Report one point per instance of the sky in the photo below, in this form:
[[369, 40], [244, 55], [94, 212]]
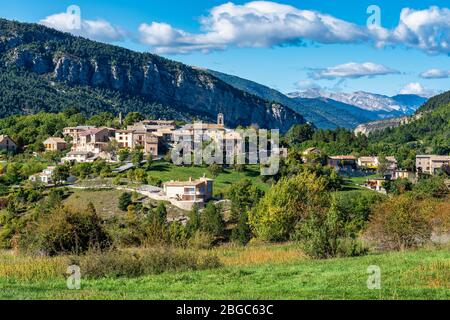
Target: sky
[[400, 46]]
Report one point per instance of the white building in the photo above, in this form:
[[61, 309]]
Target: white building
[[79, 156], [45, 177], [431, 164], [191, 192]]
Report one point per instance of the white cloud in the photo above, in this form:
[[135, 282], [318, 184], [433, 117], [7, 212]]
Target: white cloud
[[254, 24], [428, 30], [435, 74], [100, 30], [268, 24], [418, 89], [352, 70]]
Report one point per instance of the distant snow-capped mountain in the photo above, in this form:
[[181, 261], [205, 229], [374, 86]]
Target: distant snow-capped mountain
[[399, 104]]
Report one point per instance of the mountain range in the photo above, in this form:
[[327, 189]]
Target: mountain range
[[331, 110], [42, 69]]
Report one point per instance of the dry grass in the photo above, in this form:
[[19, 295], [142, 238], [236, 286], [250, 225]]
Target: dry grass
[[20, 267], [435, 274], [105, 201], [259, 254]]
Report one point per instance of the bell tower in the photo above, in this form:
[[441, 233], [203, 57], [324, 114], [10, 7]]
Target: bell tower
[[220, 119]]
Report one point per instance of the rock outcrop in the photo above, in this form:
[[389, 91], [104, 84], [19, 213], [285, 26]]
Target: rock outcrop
[[79, 62]]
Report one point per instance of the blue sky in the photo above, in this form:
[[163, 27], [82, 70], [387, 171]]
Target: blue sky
[[269, 42]]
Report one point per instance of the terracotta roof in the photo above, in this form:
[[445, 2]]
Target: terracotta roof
[[91, 131], [2, 136], [55, 139], [434, 157], [391, 159], [187, 183], [342, 157], [367, 159]]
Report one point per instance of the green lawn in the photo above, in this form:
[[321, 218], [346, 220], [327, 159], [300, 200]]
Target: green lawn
[[167, 171], [422, 274]]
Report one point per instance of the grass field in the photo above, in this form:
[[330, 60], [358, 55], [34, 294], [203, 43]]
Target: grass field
[[167, 171], [269, 272]]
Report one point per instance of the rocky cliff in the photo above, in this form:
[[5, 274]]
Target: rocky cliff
[[66, 62]]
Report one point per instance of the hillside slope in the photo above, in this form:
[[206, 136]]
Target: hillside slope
[[427, 132], [43, 69]]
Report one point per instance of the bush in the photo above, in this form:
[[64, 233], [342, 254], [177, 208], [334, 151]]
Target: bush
[[211, 220], [154, 181], [285, 204], [200, 240], [215, 169], [113, 264], [124, 201], [401, 222], [324, 233], [399, 186], [432, 186], [64, 231], [242, 232]]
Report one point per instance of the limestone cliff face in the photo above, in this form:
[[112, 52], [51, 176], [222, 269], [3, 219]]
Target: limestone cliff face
[[373, 126], [80, 62]]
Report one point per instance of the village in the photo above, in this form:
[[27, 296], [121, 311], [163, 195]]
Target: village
[[155, 138]]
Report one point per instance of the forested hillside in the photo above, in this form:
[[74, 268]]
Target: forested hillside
[[46, 70], [435, 102], [430, 133]]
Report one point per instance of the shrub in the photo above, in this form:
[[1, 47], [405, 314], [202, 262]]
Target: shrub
[[211, 220], [244, 196], [401, 222], [124, 201], [154, 181], [178, 235], [242, 232], [399, 186], [113, 264], [285, 204], [201, 240], [433, 186], [215, 169], [64, 231], [324, 234]]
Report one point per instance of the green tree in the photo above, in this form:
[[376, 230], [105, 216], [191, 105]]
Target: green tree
[[193, 223], [137, 156], [158, 215], [211, 220], [124, 201], [140, 176], [325, 233], [215, 169], [299, 133], [242, 232], [132, 117], [285, 204], [124, 154], [61, 174], [244, 196]]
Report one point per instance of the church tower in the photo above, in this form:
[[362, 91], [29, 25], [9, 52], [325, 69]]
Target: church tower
[[220, 119]]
